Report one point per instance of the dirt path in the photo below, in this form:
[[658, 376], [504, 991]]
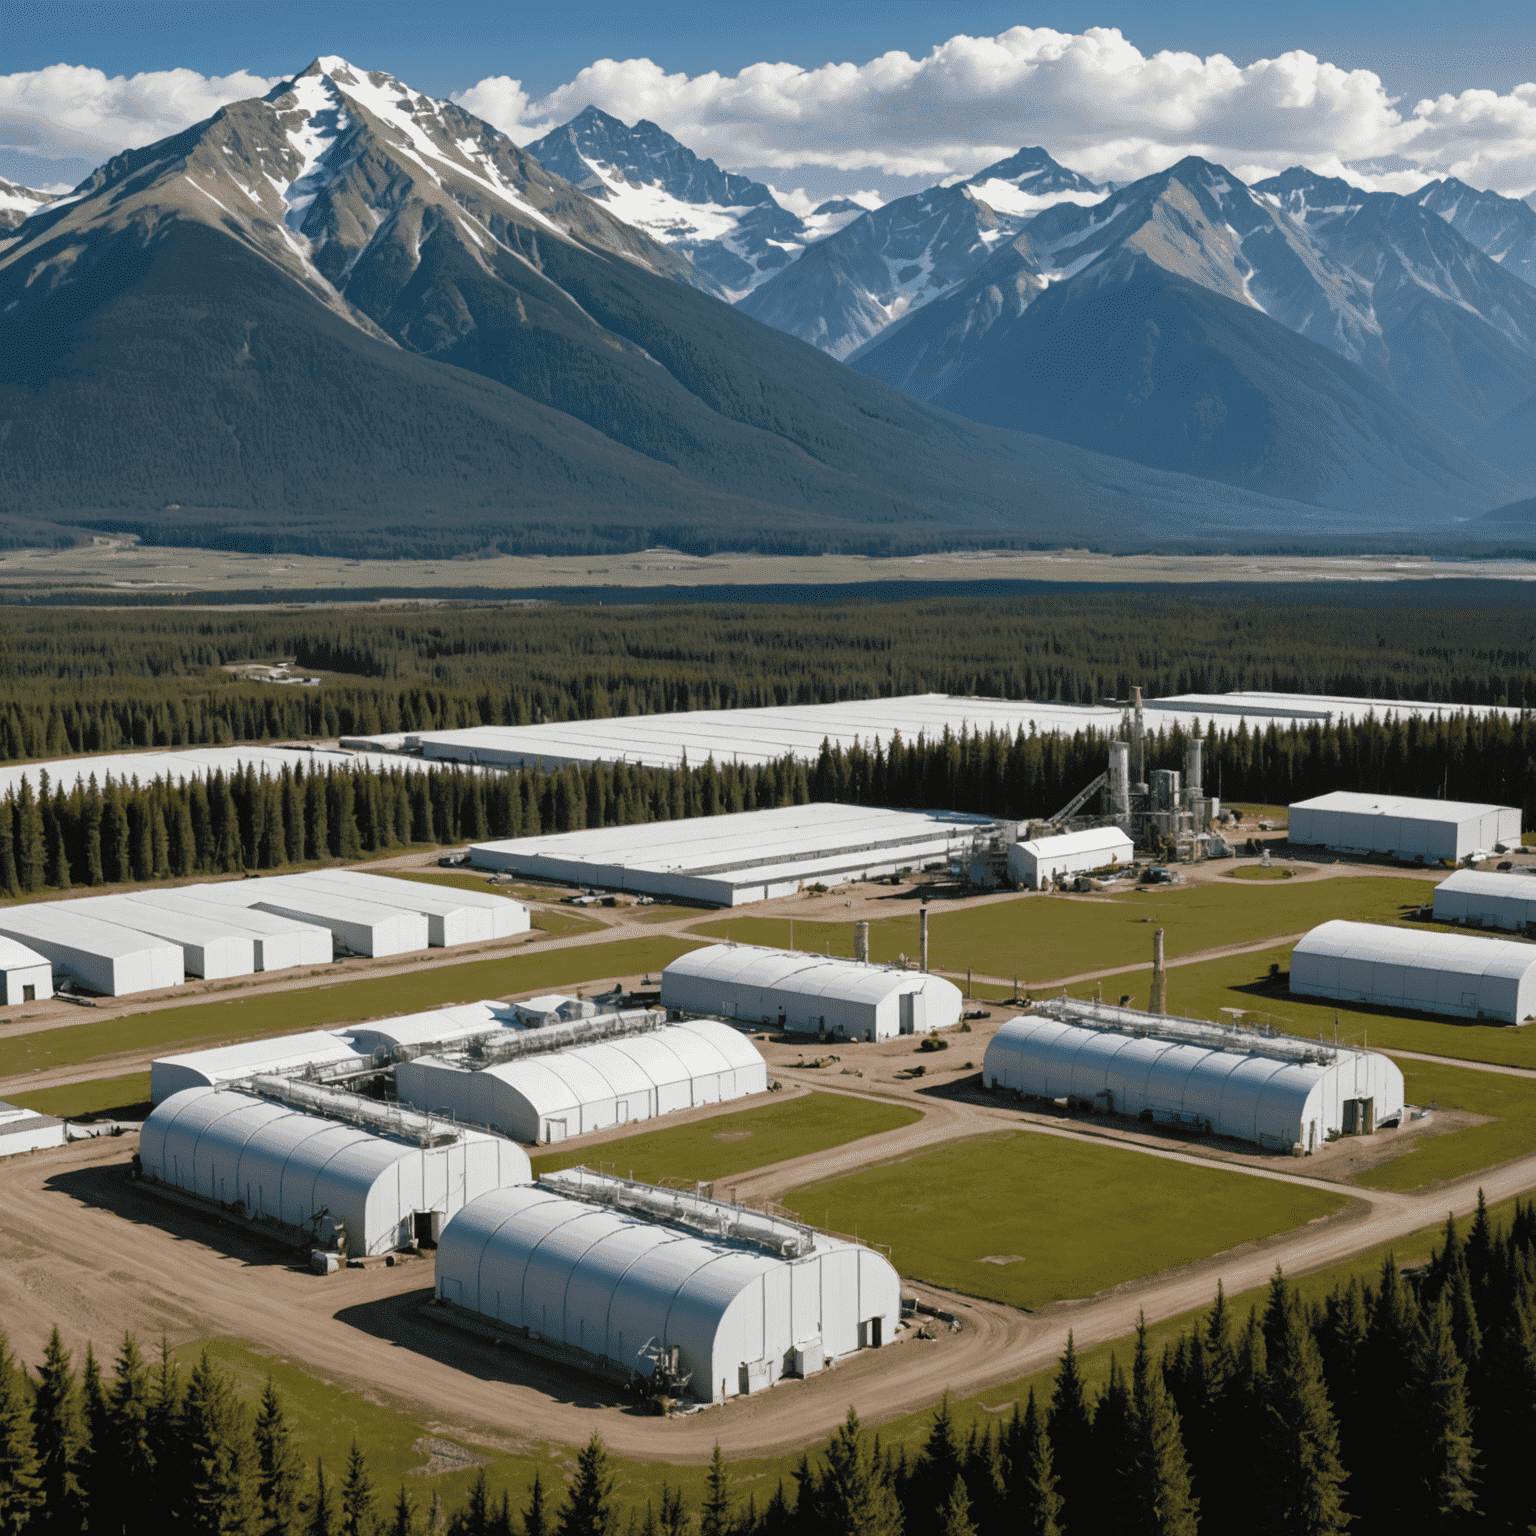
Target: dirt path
[[85, 1249]]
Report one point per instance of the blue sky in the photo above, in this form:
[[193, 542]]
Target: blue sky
[[527, 67]]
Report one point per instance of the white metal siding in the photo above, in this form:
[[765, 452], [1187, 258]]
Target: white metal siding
[[1491, 900], [1402, 825]]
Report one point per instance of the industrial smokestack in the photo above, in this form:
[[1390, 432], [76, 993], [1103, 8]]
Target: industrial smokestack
[[922, 928], [1120, 783], [1194, 767], [1159, 976], [861, 941]]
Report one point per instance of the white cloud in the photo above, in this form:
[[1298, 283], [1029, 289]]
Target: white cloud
[[1092, 98], [68, 111], [801, 202]]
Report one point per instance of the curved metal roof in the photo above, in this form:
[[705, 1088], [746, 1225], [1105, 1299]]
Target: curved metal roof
[[811, 975], [1463, 954]]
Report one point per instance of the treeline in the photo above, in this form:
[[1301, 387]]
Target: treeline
[[116, 832], [80, 681], [1404, 1406]]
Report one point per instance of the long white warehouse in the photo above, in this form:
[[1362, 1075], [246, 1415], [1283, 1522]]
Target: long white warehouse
[[744, 857], [279, 943], [806, 993], [209, 947], [619, 1280], [318, 1048], [453, 916], [562, 1093], [314, 1177], [99, 957], [25, 975], [1461, 975], [1487, 900], [1401, 826], [24, 1130], [1036, 863], [1277, 1091], [364, 927]]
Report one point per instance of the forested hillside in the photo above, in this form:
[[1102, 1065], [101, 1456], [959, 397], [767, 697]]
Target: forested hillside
[[92, 681]]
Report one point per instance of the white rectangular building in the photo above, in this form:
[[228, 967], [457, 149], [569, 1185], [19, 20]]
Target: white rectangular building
[[453, 916], [25, 975], [24, 1130], [1036, 863], [279, 943], [97, 956], [364, 927], [1462, 976], [1487, 900], [224, 1064], [748, 856], [1401, 826], [787, 989], [209, 947]]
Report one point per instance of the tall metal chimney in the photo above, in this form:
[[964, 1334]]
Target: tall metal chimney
[[1194, 768], [922, 928], [1159, 1002], [861, 941], [1120, 783]]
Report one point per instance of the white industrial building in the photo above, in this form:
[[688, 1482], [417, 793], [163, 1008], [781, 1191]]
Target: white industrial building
[[786, 989], [437, 1026], [278, 943], [1039, 861], [555, 1094], [1401, 826], [316, 1048], [617, 1276], [1487, 900], [1460, 975], [743, 857], [24, 1130], [209, 947], [363, 927], [766, 735], [454, 916], [1275, 1090], [97, 956], [384, 1184], [25, 975]]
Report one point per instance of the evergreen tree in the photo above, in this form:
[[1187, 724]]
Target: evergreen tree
[[20, 1484], [322, 1519], [475, 1518], [1032, 1475], [1443, 1458], [1070, 1424], [58, 1433], [715, 1515], [1115, 1452], [535, 1520], [1164, 1504], [219, 1457], [278, 1473], [587, 1510], [674, 1513], [162, 1424], [955, 1514], [939, 1464], [1301, 1475], [851, 1496], [404, 1521], [357, 1496]]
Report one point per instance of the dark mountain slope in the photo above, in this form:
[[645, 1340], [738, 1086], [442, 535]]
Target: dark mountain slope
[[1131, 359]]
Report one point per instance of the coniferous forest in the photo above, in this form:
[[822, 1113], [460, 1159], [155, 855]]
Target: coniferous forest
[[1402, 1405]]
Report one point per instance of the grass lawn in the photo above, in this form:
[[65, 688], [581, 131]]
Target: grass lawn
[[733, 1144], [103, 1098], [558, 921], [459, 879], [1252, 808], [1073, 1218], [1041, 937], [202, 1024], [1203, 988]]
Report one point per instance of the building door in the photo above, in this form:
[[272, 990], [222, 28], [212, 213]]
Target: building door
[[906, 1013], [874, 1332], [554, 1130], [28, 992]]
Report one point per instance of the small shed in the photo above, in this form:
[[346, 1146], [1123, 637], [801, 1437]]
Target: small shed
[[24, 1130], [1036, 863], [25, 976], [785, 989]]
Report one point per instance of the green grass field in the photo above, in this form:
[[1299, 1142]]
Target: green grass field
[[103, 1098], [1041, 937], [725, 1145], [1075, 1217], [201, 1024]]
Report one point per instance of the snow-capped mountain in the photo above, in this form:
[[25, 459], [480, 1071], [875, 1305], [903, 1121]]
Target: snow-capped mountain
[[18, 203], [732, 229], [1458, 329], [891, 261], [1501, 227], [349, 317], [1190, 321]]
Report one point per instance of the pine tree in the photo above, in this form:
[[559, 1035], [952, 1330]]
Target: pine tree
[[955, 1514], [20, 1485], [1164, 1502], [587, 1510], [220, 1459], [1070, 1424], [98, 1472], [1443, 1458], [357, 1496], [1114, 1449], [674, 1513], [535, 1520], [321, 1516], [278, 1474], [933, 1479], [404, 1521], [129, 1452], [851, 1496], [1300, 1472], [162, 1423], [1032, 1475], [58, 1434], [475, 1518], [715, 1515]]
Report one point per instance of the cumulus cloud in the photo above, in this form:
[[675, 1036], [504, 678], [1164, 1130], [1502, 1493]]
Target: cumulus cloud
[[68, 111], [1092, 98]]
